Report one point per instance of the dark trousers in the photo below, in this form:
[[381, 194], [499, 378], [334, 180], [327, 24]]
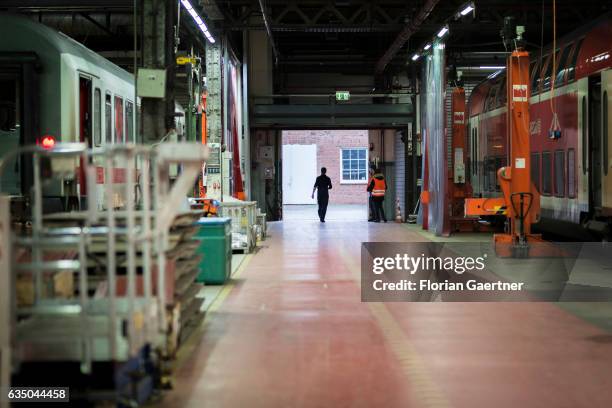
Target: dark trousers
[[323, 201], [370, 207], [379, 212]]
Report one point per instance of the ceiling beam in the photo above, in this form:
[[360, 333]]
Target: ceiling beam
[[405, 34]]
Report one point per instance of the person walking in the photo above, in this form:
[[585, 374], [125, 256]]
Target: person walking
[[322, 185], [378, 188]]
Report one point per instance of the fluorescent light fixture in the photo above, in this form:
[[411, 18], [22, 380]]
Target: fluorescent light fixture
[[415, 57], [496, 73], [427, 46], [494, 67], [198, 20], [467, 9], [443, 32]]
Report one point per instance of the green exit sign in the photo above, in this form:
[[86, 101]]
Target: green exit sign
[[343, 95]]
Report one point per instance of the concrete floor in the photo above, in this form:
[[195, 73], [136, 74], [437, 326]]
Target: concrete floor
[[291, 331]]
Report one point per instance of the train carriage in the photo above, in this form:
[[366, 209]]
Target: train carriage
[[571, 170], [53, 88]]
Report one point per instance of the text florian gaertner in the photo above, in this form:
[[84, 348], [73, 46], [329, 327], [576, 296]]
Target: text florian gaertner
[[412, 265]]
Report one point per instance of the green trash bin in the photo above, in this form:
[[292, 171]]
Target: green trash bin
[[215, 236]]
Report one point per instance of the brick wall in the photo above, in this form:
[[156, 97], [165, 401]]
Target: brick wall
[[329, 143]]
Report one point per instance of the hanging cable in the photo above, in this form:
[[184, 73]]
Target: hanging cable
[[555, 128], [540, 67]]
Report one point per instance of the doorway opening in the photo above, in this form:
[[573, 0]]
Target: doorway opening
[[346, 156]]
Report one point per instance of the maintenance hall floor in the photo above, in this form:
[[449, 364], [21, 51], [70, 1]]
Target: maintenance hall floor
[[290, 330]]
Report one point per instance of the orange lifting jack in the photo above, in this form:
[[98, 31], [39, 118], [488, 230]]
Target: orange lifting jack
[[458, 187], [521, 200]]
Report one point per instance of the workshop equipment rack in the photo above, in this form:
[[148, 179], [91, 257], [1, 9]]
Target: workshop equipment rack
[[95, 327]]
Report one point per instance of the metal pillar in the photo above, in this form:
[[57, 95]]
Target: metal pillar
[[246, 129], [158, 53], [410, 150], [214, 121]]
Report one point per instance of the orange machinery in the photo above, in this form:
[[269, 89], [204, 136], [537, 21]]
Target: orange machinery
[[458, 187], [202, 108], [520, 197]]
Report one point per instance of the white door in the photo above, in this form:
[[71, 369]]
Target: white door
[[299, 173]]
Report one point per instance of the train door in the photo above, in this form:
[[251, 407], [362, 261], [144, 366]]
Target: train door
[[19, 126], [595, 143], [85, 131], [606, 128], [475, 174], [10, 120]]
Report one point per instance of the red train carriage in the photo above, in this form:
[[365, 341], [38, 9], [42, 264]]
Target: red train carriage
[[572, 171]]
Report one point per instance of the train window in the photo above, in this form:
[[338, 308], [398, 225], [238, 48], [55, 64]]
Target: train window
[[535, 77], [485, 173], [491, 173], [606, 153], [500, 162], [560, 173], [137, 134], [546, 77], [546, 173], [475, 151], [535, 170], [490, 100], [540, 81], [560, 75], [108, 119], [585, 121], [129, 122], [571, 70], [10, 103], [119, 136], [571, 173], [97, 117], [501, 95]]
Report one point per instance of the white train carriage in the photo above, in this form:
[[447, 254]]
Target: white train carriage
[[53, 88]]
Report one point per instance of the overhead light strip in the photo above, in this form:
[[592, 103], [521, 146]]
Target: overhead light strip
[[444, 30], [198, 20], [468, 8]]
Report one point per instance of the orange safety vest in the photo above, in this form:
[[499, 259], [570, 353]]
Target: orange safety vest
[[369, 182], [379, 188]]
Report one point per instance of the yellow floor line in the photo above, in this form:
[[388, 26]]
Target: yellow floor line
[[230, 285], [187, 349], [427, 394]]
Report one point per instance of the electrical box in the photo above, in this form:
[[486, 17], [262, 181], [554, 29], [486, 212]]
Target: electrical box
[[269, 173], [213, 172], [266, 153], [151, 83], [458, 167], [227, 173]]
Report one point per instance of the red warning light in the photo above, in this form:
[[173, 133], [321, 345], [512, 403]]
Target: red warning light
[[47, 142]]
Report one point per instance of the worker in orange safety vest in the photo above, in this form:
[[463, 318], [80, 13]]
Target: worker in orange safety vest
[[378, 188]]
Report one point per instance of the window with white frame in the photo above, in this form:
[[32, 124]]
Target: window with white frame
[[354, 165]]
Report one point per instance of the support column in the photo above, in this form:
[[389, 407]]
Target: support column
[[246, 130], [158, 53], [214, 122], [411, 174]]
